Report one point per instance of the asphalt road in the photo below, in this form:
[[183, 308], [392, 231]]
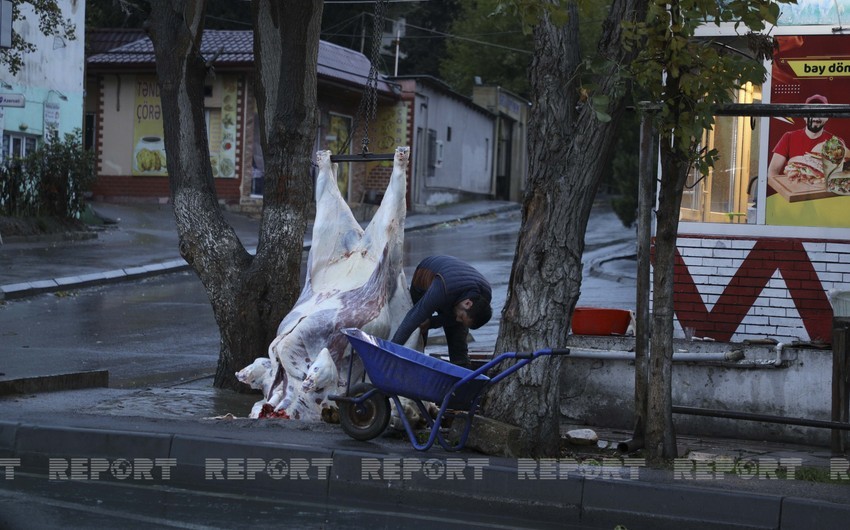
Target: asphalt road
[[161, 330]]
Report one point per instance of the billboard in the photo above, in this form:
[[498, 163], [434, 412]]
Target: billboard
[[809, 165]]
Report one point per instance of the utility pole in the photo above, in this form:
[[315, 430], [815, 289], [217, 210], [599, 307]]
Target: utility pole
[[397, 42]]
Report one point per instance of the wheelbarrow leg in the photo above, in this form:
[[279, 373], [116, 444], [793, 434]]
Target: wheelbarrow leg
[[464, 435]]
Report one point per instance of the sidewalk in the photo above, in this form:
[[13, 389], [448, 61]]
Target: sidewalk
[[187, 424]]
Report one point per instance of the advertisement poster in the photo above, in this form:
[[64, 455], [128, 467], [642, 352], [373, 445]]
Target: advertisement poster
[[223, 134], [809, 165], [51, 120], [149, 148]]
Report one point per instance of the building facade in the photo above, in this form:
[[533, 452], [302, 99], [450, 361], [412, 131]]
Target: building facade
[[46, 95], [452, 143], [452, 139], [124, 114]]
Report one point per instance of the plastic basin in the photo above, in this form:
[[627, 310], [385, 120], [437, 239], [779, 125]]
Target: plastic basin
[[600, 321]]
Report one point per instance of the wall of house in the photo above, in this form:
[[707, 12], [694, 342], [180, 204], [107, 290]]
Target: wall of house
[[738, 288], [512, 114], [466, 162], [51, 80], [461, 164], [130, 121]]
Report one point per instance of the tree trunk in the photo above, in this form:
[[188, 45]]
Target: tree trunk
[[567, 149], [249, 295], [646, 193], [660, 432]]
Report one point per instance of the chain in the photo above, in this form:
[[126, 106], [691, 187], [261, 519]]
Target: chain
[[368, 109]]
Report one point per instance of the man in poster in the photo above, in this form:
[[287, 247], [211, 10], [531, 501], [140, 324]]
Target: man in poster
[[795, 154]]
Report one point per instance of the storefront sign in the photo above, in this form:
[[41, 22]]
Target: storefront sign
[[51, 120], [13, 100]]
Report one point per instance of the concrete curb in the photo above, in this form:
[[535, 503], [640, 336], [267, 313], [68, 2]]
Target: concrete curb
[[50, 238], [49, 383], [26, 289], [491, 489]]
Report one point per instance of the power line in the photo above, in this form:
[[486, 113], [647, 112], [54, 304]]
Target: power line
[[484, 43], [372, 1]]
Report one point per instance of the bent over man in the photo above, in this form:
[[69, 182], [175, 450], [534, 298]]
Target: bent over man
[[451, 294]]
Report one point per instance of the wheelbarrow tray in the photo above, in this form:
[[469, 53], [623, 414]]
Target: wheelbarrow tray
[[395, 369]]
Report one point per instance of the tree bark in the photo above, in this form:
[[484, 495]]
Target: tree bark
[[249, 295], [660, 437], [646, 193], [567, 147]]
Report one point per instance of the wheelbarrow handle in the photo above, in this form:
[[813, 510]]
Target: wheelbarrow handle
[[538, 353]]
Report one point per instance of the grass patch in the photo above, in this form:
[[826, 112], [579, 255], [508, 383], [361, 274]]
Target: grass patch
[[817, 474]]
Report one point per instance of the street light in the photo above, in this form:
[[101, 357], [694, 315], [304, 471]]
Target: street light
[[62, 96]]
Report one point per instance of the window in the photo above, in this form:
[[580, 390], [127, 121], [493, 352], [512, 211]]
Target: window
[[726, 195], [432, 153], [90, 132], [18, 145]]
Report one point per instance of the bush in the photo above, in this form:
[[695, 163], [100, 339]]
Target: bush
[[51, 181]]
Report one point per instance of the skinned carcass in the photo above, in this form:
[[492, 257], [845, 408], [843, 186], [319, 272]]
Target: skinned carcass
[[355, 278]]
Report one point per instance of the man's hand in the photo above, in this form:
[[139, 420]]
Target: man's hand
[[425, 326]]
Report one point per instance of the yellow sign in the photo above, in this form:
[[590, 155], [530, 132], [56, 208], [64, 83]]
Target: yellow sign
[[149, 148], [812, 67], [828, 212]]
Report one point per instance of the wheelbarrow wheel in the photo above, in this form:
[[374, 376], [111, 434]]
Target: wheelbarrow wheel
[[366, 420]]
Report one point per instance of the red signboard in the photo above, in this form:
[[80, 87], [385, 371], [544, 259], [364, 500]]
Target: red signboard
[[809, 182]]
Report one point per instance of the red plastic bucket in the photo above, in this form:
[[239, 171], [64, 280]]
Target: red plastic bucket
[[600, 321]]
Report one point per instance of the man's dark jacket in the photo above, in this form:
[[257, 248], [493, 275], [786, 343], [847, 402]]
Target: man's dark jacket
[[438, 284]]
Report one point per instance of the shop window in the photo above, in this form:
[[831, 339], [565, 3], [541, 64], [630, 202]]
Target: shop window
[[727, 193]]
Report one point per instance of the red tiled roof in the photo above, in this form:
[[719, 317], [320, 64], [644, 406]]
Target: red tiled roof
[[237, 48]]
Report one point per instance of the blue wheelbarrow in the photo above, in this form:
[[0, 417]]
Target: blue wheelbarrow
[[396, 371]]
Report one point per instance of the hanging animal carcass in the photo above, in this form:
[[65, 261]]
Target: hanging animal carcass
[[355, 278]]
